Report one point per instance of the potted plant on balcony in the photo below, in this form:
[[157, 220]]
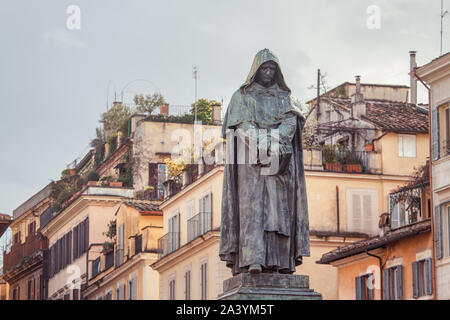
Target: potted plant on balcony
[[329, 155], [369, 146], [352, 162], [148, 192]]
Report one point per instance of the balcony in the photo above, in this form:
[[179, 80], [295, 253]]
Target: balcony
[[138, 244], [96, 267], [198, 225], [109, 259], [407, 207], [21, 252], [168, 243]]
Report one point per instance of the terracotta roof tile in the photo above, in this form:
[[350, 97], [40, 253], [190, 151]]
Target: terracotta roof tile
[[142, 205]]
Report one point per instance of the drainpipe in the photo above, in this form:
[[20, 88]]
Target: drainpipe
[[381, 272], [431, 186], [337, 210]]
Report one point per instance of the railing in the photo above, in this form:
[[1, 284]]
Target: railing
[[179, 110], [20, 251], [198, 225], [109, 260], [346, 161], [138, 244], [405, 207], [168, 243], [95, 267]]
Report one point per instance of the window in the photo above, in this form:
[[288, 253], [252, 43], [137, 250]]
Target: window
[[205, 213], [446, 135], [365, 287], [120, 245], [204, 281], [393, 283], [187, 285], [404, 211], [120, 292], [161, 179], [174, 232], [362, 211], [442, 230], [172, 289], [108, 295], [132, 288], [406, 145], [32, 228], [422, 278], [16, 237], [31, 289]]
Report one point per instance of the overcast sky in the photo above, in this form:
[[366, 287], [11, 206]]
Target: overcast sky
[[54, 81]]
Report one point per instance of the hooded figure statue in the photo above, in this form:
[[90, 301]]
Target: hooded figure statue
[[264, 225]]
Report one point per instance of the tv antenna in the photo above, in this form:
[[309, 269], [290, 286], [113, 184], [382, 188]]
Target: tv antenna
[[443, 13], [195, 76]]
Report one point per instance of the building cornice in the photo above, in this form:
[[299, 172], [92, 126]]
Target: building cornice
[[78, 205], [187, 250], [191, 186], [435, 70]]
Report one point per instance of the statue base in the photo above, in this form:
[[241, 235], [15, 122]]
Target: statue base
[[268, 286]]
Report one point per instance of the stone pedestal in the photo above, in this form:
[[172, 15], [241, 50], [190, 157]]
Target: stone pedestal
[[268, 286]]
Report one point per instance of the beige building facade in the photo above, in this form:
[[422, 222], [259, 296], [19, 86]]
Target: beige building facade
[[73, 238], [436, 76], [124, 272]]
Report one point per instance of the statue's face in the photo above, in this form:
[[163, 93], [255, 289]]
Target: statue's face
[[266, 73]]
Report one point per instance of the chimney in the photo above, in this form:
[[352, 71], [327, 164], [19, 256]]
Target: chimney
[[358, 106], [164, 109], [135, 121], [413, 86], [216, 113], [106, 150]]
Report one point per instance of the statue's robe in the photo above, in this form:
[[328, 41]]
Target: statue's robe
[[264, 217]]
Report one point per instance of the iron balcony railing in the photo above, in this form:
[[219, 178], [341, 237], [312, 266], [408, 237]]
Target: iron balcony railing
[[345, 161], [138, 244], [95, 267], [168, 243], [198, 225], [109, 260]]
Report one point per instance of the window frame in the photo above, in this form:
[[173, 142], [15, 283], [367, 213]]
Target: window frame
[[401, 146]]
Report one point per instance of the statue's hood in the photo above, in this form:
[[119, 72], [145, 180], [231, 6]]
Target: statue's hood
[[260, 58]]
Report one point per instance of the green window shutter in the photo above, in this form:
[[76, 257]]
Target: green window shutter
[[428, 281], [415, 272], [387, 284], [435, 134], [438, 232], [398, 282], [358, 288]]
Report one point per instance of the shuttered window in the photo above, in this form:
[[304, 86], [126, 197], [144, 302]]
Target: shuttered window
[[132, 288], [447, 131], [205, 206], [172, 289], [406, 145], [438, 232], [422, 278], [204, 281], [174, 233], [393, 283], [362, 211], [364, 286], [187, 285], [435, 134]]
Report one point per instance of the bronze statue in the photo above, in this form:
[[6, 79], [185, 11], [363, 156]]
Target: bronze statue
[[265, 224]]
